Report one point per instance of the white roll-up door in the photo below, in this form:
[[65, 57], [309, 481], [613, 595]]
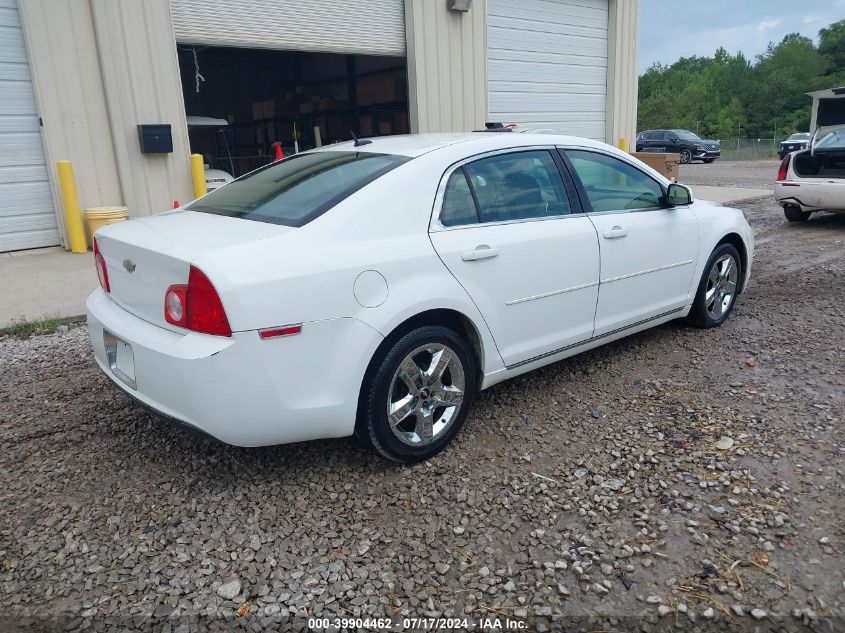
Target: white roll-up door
[[365, 27], [547, 64], [27, 218]]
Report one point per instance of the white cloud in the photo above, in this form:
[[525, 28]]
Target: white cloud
[[768, 25]]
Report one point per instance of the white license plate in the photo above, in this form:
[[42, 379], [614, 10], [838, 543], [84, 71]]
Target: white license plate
[[120, 357]]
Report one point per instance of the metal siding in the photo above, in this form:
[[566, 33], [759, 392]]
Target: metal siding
[[547, 64], [622, 74], [27, 218], [447, 66], [367, 27]]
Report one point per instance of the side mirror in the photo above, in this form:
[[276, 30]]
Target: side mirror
[[678, 195]]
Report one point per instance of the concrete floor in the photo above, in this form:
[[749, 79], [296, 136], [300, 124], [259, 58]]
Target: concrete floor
[[728, 194], [44, 282]]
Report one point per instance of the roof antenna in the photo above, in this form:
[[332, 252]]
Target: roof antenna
[[359, 142]]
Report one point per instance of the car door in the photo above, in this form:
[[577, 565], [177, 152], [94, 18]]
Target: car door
[[648, 250], [509, 227]]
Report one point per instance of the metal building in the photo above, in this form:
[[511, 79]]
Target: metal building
[[77, 78]]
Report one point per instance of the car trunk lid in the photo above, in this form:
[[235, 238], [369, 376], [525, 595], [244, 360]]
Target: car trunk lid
[[146, 256]]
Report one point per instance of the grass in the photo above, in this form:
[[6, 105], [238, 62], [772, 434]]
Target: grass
[[46, 325]]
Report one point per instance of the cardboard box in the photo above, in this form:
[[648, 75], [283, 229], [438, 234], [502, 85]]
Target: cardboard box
[[381, 89], [263, 110], [666, 164], [365, 125], [400, 123]]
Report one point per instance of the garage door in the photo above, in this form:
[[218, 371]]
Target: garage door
[[27, 219], [365, 27], [547, 64]]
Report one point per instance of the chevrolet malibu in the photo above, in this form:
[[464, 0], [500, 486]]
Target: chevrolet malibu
[[373, 288]]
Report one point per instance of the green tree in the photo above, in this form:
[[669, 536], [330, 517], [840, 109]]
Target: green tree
[[727, 95]]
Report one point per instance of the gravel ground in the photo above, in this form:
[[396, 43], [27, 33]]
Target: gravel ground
[[756, 174], [680, 479]]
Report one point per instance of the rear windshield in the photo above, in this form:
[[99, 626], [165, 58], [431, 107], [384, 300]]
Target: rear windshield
[[297, 189]]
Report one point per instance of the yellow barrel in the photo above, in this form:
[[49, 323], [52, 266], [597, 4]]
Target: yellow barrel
[[95, 217]]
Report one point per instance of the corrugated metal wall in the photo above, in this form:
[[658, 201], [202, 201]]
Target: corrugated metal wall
[[622, 72], [100, 68], [447, 66], [27, 218], [366, 27]]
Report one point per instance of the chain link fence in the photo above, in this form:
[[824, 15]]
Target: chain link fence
[[749, 149]]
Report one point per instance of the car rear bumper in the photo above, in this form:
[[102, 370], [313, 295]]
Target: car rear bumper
[[241, 390], [810, 194]]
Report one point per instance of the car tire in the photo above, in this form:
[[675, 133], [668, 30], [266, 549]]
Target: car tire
[[413, 376], [717, 290], [709, 160], [795, 214], [686, 155]]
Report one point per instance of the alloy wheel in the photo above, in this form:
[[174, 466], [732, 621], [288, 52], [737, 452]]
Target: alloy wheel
[[425, 394], [721, 287]]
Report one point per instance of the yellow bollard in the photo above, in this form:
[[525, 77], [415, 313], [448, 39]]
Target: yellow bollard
[[623, 144], [198, 175], [70, 200]]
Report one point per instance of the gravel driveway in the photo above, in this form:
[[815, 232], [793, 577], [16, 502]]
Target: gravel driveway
[[677, 475], [755, 174]]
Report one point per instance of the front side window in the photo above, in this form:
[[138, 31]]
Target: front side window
[[298, 189], [518, 186], [614, 185]]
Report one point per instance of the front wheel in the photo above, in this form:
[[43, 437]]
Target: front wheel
[[686, 155], [417, 395], [718, 288]]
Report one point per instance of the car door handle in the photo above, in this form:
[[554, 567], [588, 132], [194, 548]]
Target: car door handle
[[480, 252], [615, 233]]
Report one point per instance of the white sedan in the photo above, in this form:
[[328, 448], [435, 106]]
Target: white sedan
[[372, 288]]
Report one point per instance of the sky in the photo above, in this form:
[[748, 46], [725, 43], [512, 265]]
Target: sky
[[671, 29]]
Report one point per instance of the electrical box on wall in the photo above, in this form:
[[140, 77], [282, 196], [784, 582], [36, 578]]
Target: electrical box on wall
[[459, 6], [155, 138]]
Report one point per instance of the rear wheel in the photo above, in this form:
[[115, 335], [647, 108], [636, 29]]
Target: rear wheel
[[416, 398], [795, 214], [686, 155], [718, 288]]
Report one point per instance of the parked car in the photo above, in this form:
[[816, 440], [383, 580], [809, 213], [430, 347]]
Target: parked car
[[214, 178], [814, 179], [796, 142], [682, 142], [374, 287]]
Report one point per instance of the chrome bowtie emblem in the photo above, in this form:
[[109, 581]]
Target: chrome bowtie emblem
[[129, 265]]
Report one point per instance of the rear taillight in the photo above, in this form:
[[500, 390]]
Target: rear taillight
[[784, 166], [102, 271], [196, 306]]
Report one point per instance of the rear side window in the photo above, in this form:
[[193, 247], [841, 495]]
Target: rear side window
[[513, 186], [298, 189], [458, 205]]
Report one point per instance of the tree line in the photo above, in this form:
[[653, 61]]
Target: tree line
[[728, 96]]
